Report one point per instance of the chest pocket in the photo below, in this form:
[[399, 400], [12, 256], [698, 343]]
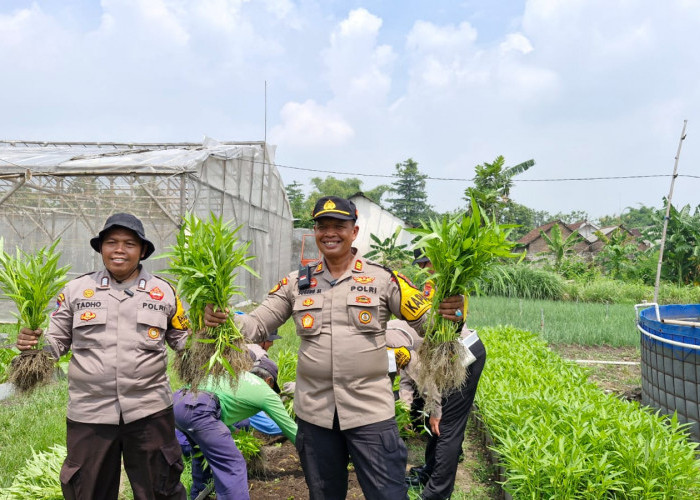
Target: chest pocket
[[363, 312], [307, 314], [88, 326], [151, 327]]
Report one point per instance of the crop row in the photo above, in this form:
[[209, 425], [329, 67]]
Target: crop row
[[559, 436]]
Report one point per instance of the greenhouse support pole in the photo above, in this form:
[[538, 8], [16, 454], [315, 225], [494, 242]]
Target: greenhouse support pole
[[668, 211]]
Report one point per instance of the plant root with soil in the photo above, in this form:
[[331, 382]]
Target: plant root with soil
[[192, 365], [442, 366], [31, 369]]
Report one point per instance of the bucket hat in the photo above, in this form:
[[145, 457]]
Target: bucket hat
[[127, 221]]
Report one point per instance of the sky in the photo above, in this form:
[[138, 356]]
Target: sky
[[589, 89]]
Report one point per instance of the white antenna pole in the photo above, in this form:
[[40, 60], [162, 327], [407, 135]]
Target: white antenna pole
[[668, 211]]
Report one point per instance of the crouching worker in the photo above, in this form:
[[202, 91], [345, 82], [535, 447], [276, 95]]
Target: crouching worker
[[117, 322], [205, 415]]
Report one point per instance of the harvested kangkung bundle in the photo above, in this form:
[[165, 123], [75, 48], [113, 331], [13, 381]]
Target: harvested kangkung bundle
[[204, 264], [31, 281], [461, 248]]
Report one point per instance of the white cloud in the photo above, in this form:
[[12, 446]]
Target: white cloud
[[309, 124], [358, 69], [158, 21], [516, 42]]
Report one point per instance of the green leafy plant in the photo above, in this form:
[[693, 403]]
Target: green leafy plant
[[460, 248], [6, 357], [287, 372], [31, 281], [387, 252], [249, 445], [403, 419], [203, 265], [559, 436], [252, 450], [39, 478]]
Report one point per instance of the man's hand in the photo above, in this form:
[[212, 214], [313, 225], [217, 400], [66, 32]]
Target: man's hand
[[28, 339], [213, 319], [434, 425], [452, 308]]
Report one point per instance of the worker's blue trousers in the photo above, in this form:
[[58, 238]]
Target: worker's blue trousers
[[198, 416]]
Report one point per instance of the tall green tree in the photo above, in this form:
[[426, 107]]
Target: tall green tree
[[633, 218], [344, 188], [571, 217], [492, 184], [302, 205], [297, 202], [411, 201]]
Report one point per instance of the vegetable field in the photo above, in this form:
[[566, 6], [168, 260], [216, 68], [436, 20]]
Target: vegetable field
[[574, 330]]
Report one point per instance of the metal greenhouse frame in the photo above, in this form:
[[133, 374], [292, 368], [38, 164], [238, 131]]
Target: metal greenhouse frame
[[66, 190]]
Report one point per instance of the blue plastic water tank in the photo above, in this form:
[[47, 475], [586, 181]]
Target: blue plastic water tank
[[671, 363]]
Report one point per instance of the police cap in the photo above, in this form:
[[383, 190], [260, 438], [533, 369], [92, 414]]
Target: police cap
[[335, 207]]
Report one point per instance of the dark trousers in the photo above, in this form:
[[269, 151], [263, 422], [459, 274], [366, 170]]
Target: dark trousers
[[442, 452], [377, 452], [152, 459], [198, 416]]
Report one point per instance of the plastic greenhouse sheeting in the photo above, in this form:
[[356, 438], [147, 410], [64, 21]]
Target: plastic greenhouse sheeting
[[51, 190]]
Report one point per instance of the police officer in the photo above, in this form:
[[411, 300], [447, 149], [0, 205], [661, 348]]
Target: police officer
[[117, 322], [343, 397]]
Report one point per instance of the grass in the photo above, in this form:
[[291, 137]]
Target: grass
[[35, 420], [559, 322]]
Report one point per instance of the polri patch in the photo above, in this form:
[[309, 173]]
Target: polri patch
[[156, 293], [88, 315], [88, 292], [365, 317], [308, 302], [307, 321], [153, 332]]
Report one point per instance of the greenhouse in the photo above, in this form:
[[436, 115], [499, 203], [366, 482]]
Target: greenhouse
[[66, 190]]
